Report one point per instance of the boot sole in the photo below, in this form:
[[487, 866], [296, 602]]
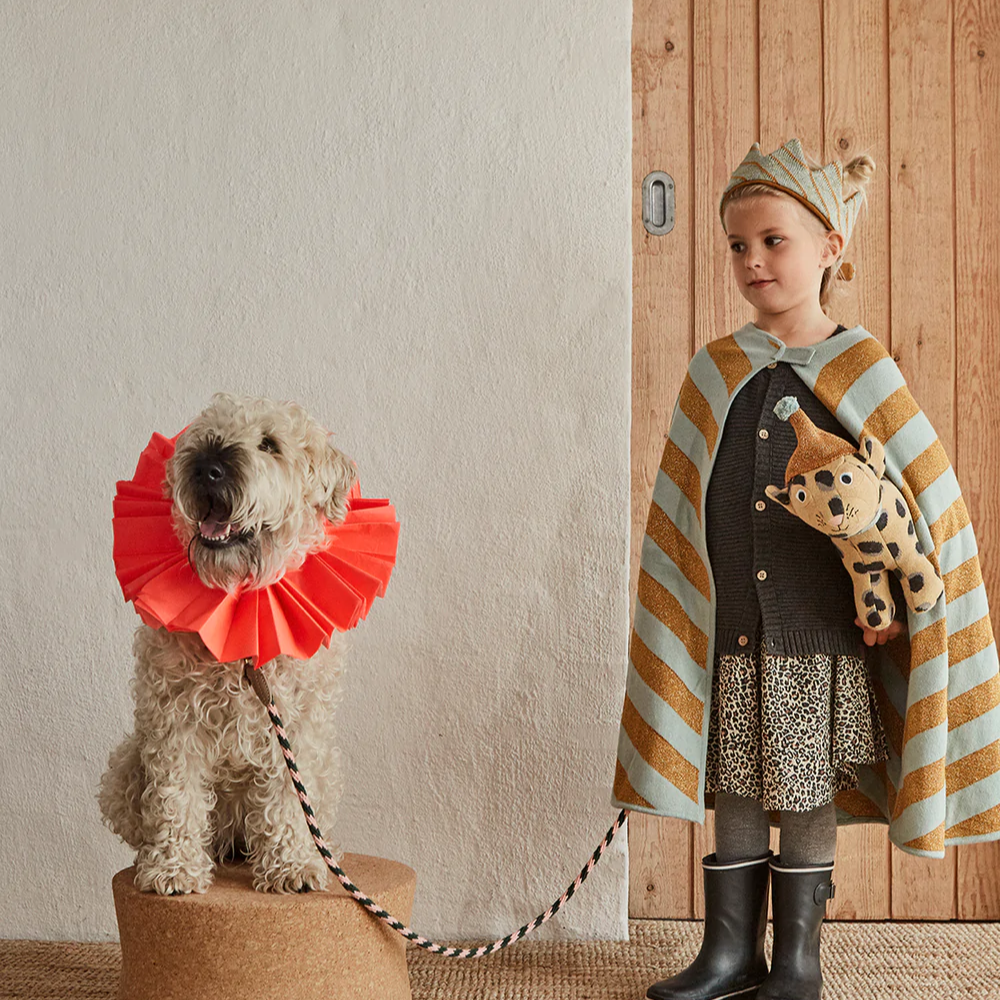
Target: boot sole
[[747, 994]]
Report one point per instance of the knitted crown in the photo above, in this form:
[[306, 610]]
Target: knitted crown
[[820, 190], [815, 447]]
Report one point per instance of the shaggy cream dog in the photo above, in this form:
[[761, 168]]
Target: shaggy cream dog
[[202, 778]]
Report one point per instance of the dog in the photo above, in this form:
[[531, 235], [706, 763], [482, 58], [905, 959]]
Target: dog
[[202, 778]]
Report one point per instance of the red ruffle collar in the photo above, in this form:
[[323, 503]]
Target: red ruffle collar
[[333, 589]]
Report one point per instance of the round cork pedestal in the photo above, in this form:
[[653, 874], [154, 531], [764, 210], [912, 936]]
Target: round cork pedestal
[[235, 942]]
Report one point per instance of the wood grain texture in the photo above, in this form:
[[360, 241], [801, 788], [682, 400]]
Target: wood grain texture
[[921, 300], [976, 454], [917, 86], [725, 102], [660, 861]]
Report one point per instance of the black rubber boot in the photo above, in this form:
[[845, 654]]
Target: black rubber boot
[[731, 963], [799, 898]]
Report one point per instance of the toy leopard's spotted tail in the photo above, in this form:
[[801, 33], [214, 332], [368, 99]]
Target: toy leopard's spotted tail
[[259, 684]]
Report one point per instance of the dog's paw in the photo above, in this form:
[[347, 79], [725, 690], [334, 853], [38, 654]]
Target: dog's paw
[[303, 882], [314, 877], [170, 880]]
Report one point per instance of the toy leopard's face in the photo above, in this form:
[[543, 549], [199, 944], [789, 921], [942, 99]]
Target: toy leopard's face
[[840, 497]]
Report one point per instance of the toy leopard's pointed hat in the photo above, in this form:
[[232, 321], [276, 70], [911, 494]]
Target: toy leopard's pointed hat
[[816, 447], [820, 189]]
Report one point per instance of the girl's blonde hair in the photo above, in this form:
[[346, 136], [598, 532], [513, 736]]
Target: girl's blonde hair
[[857, 173]]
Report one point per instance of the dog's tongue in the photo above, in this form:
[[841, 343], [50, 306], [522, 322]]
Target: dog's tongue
[[212, 527]]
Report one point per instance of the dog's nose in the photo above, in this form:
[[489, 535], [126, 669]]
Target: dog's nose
[[209, 470]]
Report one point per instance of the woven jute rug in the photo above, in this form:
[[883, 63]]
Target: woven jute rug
[[861, 961]]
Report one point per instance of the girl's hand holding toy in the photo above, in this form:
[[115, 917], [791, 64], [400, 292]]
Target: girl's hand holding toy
[[883, 635]]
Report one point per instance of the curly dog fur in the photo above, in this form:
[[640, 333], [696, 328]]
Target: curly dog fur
[[202, 778]]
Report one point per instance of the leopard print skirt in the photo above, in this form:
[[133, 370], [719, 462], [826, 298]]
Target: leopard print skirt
[[790, 730]]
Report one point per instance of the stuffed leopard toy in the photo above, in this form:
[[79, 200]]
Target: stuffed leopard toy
[[841, 491]]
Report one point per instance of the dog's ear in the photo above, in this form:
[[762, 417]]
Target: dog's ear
[[775, 493], [871, 452], [334, 475]]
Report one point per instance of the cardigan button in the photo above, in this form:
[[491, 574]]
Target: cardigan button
[[743, 640], [760, 505], [762, 574], [762, 433], [773, 364]]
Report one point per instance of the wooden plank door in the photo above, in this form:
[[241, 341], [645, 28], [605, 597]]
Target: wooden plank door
[[917, 85]]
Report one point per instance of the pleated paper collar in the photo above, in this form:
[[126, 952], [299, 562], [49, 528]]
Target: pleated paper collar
[[332, 590]]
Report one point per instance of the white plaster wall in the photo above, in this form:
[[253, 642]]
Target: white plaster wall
[[414, 219]]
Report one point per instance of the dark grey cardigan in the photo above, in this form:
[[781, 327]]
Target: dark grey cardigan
[[805, 604]]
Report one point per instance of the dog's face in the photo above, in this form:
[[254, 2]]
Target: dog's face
[[252, 481]]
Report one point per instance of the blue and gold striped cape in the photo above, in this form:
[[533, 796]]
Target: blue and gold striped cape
[[937, 685]]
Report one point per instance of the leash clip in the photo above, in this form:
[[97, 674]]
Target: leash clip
[[256, 679]]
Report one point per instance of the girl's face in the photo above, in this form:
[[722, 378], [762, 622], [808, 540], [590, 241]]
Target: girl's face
[[771, 242]]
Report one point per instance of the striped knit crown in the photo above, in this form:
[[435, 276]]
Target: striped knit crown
[[820, 190]]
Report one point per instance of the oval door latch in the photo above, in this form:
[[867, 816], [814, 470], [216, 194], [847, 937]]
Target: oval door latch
[[658, 203]]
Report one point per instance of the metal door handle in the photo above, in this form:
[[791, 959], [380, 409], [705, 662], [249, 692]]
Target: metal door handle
[[658, 203]]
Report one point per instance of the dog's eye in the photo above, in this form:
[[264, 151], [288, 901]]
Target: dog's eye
[[267, 444]]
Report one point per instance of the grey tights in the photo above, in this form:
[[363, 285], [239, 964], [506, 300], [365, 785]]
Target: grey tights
[[742, 830]]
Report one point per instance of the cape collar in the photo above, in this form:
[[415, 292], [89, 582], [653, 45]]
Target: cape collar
[[775, 348]]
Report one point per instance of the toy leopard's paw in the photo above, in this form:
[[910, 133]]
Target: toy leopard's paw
[[876, 613], [916, 581], [917, 585], [926, 586]]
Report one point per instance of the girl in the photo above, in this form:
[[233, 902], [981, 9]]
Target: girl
[[752, 681]]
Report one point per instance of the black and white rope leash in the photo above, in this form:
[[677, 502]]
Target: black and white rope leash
[[259, 684]]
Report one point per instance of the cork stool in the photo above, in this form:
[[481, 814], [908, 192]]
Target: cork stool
[[234, 942]]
